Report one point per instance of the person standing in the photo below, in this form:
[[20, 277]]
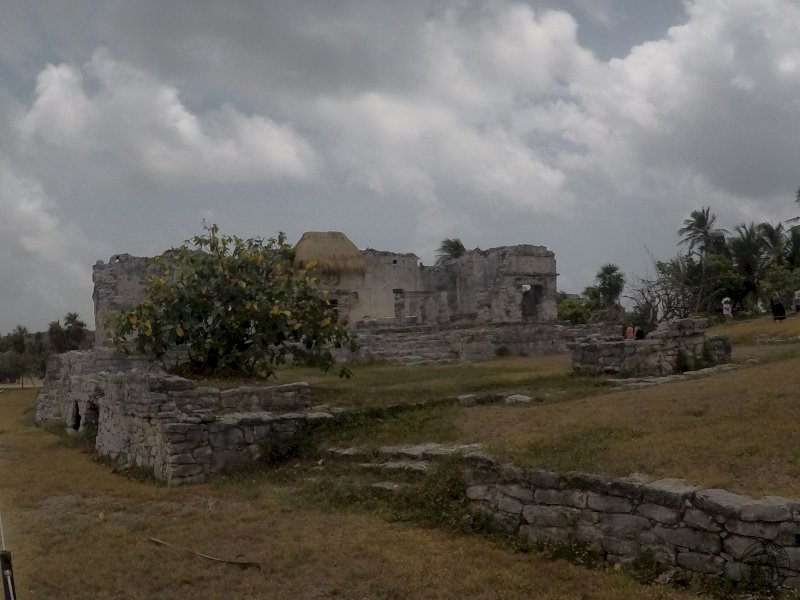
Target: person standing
[[796, 302], [727, 310], [778, 310]]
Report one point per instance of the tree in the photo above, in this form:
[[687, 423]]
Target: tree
[[773, 239], [610, 282], [57, 337], [237, 306], [574, 311], [450, 249], [698, 232], [74, 330], [747, 250]]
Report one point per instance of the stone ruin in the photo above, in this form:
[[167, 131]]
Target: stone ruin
[[183, 433], [675, 346]]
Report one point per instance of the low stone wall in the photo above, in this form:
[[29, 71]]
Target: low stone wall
[[145, 417], [707, 531], [661, 353], [465, 343]]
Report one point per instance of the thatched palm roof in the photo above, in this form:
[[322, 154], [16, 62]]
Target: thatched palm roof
[[334, 253]]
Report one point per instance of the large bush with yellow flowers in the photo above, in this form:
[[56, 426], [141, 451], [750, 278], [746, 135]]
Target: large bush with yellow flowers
[[239, 307]]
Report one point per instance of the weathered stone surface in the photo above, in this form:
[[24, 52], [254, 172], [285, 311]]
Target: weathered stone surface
[[692, 539], [667, 492], [721, 502], [509, 505], [517, 399], [549, 516], [620, 525], [481, 492], [560, 497], [539, 478], [736, 545], [767, 531], [770, 508], [700, 520], [518, 492], [605, 503], [662, 514]]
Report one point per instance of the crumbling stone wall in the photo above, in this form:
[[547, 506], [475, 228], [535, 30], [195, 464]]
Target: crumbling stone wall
[[118, 284], [707, 531], [145, 417], [677, 345]]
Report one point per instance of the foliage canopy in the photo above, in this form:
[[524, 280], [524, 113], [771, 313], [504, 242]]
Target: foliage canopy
[[238, 307]]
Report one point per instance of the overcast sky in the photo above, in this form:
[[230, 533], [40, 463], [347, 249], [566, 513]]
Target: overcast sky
[[592, 127]]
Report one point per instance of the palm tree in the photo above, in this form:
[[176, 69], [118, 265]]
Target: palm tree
[[450, 249], [57, 337], [773, 238], [610, 283], [698, 231], [74, 329], [747, 249]]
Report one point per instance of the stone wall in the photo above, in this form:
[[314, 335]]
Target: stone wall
[[661, 353], [455, 343], [118, 284], [145, 417], [707, 531]]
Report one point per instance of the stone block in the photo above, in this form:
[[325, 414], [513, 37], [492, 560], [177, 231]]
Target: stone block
[[180, 459], [603, 503], [549, 516], [700, 520], [767, 531], [770, 509], [737, 546], [539, 478], [701, 563], [509, 505], [667, 492], [692, 539], [662, 514], [518, 492], [721, 502], [623, 526], [560, 497]]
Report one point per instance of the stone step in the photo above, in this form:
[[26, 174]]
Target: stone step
[[419, 467]]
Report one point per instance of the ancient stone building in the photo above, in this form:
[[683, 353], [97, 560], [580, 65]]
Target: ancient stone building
[[514, 284], [510, 284]]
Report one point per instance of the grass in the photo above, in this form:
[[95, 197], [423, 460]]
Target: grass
[[543, 378], [77, 531], [80, 530]]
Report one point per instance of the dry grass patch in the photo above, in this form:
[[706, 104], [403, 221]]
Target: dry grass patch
[[79, 531], [735, 430]]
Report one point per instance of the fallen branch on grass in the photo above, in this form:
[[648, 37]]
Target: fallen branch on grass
[[241, 563]]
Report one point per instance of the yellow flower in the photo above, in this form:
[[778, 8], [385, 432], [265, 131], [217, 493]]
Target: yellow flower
[[297, 326], [310, 264], [326, 321], [180, 332], [276, 310]]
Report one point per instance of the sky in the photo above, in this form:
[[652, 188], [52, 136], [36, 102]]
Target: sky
[[592, 127]]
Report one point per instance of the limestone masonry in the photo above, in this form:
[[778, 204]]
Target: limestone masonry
[[675, 346], [145, 417]]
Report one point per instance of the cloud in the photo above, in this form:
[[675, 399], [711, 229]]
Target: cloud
[[42, 266], [143, 123]]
